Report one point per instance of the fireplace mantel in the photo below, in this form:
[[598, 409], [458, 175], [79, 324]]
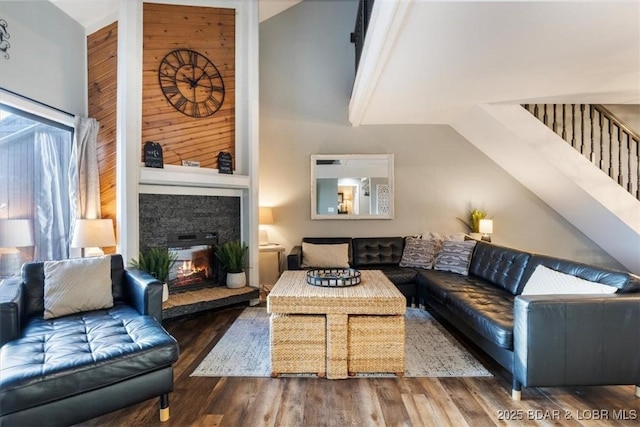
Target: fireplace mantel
[[184, 176]]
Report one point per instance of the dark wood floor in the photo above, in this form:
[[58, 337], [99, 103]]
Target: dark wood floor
[[201, 401]]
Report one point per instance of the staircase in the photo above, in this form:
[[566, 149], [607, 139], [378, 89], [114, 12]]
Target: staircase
[[599, 136], [562, 176]]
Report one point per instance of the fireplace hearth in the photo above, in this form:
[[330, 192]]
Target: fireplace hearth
[[196, 266]]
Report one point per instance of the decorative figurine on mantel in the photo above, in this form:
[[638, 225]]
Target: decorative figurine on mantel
[[153, 155]]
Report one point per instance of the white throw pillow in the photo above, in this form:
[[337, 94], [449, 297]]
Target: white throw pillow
[[325, 256], [77, 285], [441, 237], [545, 281]]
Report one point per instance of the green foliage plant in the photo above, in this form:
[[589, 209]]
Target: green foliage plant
[[475, 216], [156, 261], [232, 256]]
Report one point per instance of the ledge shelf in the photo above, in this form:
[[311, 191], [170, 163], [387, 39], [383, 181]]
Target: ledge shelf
[[184, 176]]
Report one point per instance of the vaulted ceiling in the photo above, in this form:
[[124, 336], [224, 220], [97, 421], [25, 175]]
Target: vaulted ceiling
[[434, 59], [91, 12]]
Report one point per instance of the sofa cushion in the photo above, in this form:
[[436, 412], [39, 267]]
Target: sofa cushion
[[377, 251], [325, 256], [485, 308], [502, 266], [419, 253], [545, 281], [77, 285], [398, 275], [455, 256], [78, 353], [438, 284]]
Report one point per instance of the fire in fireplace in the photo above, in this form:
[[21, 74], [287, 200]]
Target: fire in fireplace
[[196, 266]]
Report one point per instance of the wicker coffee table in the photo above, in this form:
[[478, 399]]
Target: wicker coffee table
[[336, 332]]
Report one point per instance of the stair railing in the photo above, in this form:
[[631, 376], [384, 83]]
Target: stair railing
[[363, 15], [599, 135]]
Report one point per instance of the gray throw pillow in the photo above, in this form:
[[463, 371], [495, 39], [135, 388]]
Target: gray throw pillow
[[455, 256], [77, 285], [418, 253]]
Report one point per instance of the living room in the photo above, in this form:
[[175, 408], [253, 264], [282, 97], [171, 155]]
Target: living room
[[305, 79]]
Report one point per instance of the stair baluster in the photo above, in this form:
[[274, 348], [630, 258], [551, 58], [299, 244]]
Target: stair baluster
[[603, 128]]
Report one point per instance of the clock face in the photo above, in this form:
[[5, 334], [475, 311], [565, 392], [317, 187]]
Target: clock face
[[191, 83]]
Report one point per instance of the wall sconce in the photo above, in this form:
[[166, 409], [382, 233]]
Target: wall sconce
[[92, 234], [485, 226], [14, 234], [265, 217]]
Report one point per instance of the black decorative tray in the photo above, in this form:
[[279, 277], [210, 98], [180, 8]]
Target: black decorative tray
[[334, 277]]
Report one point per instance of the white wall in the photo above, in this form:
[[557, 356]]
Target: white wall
[[306, 73], [628, 113], [47, 57]]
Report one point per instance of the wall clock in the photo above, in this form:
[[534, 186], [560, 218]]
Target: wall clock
[[191, 83]]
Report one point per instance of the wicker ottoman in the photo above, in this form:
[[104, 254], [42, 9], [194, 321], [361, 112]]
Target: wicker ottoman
[[353, 329], [376, 344], [298, 344]]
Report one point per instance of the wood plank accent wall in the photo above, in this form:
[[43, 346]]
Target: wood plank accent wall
[[102, 63], [211, 32]]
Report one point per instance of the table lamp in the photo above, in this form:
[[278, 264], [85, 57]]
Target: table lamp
[[265, 217], [92, 234], [485, 226], [14, 234]]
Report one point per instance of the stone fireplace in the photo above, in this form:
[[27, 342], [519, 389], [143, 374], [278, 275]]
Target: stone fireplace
[[190, 226]]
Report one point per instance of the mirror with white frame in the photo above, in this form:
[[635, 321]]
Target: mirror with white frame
[[352, 186]]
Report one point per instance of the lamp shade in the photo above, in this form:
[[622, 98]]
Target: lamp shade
[[15, 233], [265, 216], [485, 226], [90, 233]]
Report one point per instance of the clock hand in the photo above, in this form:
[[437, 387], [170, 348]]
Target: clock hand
[[188, 80], [198, 79]]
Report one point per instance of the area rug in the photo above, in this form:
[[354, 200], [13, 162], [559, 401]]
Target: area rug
[[430, 350]]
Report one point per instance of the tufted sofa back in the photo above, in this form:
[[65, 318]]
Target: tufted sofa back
[[377, 251], [33, 285], [625, 282], [504, 267]]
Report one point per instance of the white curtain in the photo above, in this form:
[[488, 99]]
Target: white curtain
[[84, 177], [51, 200]]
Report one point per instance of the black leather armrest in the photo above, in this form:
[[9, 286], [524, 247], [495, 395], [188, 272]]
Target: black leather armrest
[[294, 259], [10, 305], [570, 340], [144, 292]]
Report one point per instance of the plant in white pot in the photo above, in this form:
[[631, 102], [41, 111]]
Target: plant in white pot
[[232, 257], [157, 262]]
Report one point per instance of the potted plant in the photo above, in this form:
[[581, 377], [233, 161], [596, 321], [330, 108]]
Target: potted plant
[[474, 219], [232, 257], [473, 222], [157, 262]]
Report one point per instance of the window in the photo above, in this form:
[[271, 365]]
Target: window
[[34, 185]]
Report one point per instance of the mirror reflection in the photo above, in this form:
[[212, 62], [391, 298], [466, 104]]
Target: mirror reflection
[[353, 186]]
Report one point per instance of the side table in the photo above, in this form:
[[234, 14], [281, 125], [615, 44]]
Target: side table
[[271, 262]]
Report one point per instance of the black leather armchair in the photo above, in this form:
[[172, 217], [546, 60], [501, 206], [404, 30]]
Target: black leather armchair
[[72, 368]]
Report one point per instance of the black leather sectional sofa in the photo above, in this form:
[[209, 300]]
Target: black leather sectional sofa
[[69, 369], [543, 340]]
